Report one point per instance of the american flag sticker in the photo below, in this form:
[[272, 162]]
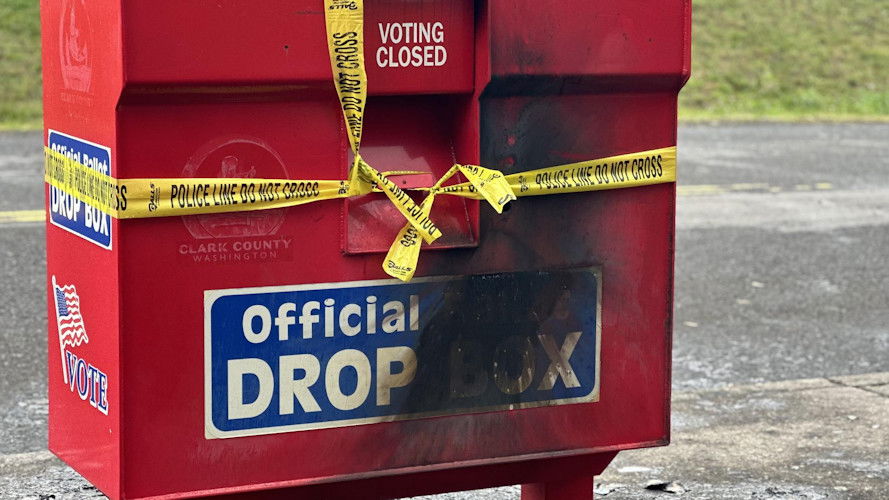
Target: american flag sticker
[[71, 330], [89, 382]]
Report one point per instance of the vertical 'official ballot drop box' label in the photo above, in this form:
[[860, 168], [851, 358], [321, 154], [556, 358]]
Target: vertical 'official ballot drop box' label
[[67, 211], [292, 358]]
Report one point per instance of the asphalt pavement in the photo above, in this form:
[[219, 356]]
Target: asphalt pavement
[[781, 333]]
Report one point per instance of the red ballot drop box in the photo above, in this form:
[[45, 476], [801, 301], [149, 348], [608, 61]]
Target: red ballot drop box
[[266, 352]]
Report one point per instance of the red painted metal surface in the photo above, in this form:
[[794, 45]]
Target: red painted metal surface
[[174, 89]]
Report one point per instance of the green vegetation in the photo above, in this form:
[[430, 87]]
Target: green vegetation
[[20, 97], [763, 59], [788, 60]]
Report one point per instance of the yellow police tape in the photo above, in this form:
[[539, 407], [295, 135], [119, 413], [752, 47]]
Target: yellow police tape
[[164, 197], [345, 43], [141, 198], [656, 166]]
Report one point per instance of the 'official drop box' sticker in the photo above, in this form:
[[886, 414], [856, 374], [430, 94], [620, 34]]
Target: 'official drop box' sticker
[[293, 358], [68, 212]]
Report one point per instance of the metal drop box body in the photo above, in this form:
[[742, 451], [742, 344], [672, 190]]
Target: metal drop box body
[[141, 404]]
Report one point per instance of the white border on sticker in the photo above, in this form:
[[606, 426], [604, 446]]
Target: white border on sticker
[[210, 297], [49, 132]]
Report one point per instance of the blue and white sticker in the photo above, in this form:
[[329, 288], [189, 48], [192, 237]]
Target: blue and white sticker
[[66, 211], [82, 377], [295, 358]]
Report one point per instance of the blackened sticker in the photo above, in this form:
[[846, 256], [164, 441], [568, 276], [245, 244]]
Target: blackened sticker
[[293, 358]]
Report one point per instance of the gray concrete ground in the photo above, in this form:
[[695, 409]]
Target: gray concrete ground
[[781, 350], [799, 439]]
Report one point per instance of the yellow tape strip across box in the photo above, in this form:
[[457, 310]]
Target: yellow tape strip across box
[[164, 197]]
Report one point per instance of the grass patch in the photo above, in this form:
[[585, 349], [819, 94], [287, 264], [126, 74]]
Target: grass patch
[[788, 59], [784, 60], [20, 92]]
